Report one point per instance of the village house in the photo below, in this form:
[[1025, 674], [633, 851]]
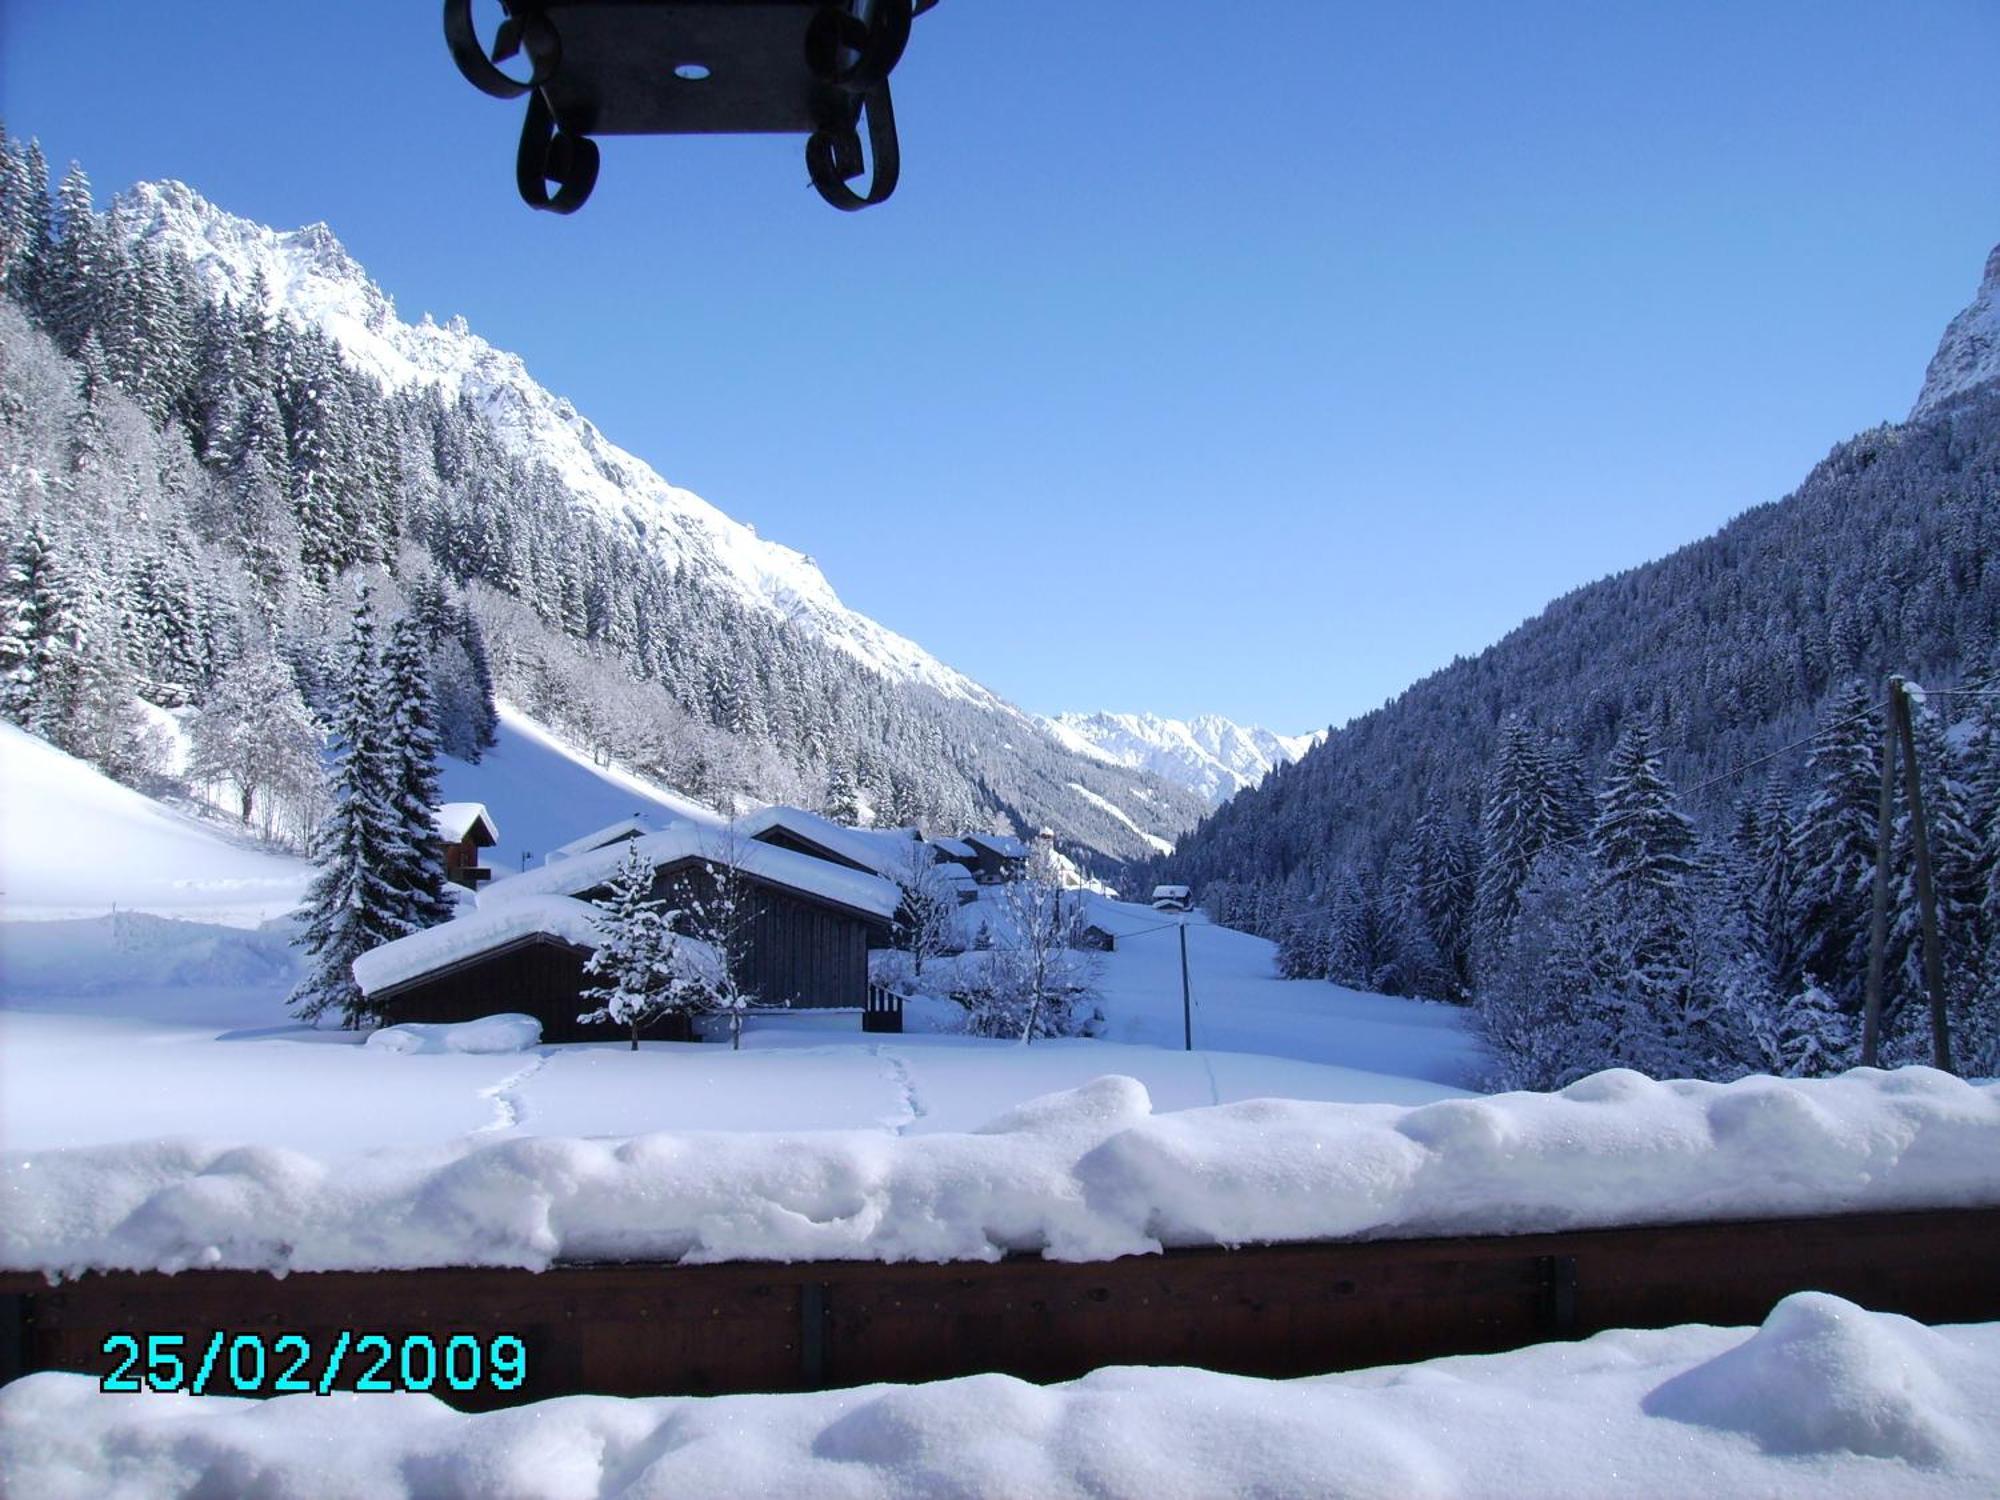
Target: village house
[[464, 828], [1172, 898], [997, 857], [806, 927]]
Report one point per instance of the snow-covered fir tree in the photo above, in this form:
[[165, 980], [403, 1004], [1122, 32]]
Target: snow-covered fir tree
[[644, 968], [412, 752], [354, 903]]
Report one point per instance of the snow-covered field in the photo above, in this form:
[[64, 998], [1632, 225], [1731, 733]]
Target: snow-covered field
[[159, 1108], [1824, 1399]]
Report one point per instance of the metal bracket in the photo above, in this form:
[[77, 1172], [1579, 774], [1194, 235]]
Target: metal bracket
[[694, 67]]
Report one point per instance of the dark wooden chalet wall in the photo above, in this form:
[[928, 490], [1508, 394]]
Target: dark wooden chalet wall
[[795, 951], [539, 976]]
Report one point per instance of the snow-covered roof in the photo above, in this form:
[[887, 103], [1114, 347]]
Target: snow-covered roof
[[477, 932], [819, 878], [1169, 892], [956, 874], [456, 820], [610, 833], [882, 850], [956, 848], [1003, 844]]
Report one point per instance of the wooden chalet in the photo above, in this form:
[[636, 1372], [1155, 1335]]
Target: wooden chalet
[[1172, 898], [997, 857], [464, 828], [806, 930]]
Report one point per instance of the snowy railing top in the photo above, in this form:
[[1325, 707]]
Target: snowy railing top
[[1090, 1174], [821, 878], [478, 931]]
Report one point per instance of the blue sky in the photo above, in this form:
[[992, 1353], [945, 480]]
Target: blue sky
[[1253, 360]]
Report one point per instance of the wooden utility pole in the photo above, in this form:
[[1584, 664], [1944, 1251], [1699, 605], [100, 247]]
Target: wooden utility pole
[[1898, 733], [1920, 838], [1878, 933], [1187, 991]]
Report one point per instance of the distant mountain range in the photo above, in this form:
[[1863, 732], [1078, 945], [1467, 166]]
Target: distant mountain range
[[1209, 754]]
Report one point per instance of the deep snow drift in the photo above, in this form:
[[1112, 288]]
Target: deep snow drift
[[74, 843], [1088, 1174], [1824, 1399]]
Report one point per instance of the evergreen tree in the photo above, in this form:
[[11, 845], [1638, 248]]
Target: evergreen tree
[[354, 903], [1836, 839], [412, 752], [74, 291], [1641, 840], [1525, 811], [32, 598], [646, 970]]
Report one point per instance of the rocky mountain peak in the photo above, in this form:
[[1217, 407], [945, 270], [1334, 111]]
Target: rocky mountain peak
[[1969, 353]]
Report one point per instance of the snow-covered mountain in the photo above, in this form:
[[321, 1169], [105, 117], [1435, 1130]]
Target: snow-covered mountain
[[308, 273], [1208, 754], [1969, 353]]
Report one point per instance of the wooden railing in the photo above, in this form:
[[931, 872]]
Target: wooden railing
[[1276, 1311]]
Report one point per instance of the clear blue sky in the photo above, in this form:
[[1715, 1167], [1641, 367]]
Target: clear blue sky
[[1248, 359]]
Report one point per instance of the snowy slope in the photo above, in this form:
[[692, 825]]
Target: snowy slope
[[1209, 754], [308, 273], [1969, 353], [74, 843], [542, 792]]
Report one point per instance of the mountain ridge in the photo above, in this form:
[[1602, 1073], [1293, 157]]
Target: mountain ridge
[[1209, 754], [310, 273]]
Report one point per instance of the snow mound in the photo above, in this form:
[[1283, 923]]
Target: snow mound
[[510, 1032], [1825, 1376], [1088, 1174], [1559, 1419], [131, 950]]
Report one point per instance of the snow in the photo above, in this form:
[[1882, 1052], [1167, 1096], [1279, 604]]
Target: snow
[[485, 928], [1091, 1173], [1633, 1413], [311, 275], [1003, 844], [800, 872], [956, 848], [543, 791], [507, 1032], [1208, 754], [1969, 353], [457, 819], [1104, 804], [73, 843], [598, 838], [884, 851]]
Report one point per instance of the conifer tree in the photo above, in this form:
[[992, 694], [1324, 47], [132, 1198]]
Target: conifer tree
[[412, 751], [354, 903], [645, 969], [1836, 841]]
